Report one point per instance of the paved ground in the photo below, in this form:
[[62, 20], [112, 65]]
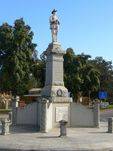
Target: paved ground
[[22, 138], [77, 139], [105, 114]]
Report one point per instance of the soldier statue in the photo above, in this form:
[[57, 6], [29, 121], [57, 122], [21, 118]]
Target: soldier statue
[[54, 25]]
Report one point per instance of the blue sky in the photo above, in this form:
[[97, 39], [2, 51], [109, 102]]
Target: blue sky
[[86, 25]]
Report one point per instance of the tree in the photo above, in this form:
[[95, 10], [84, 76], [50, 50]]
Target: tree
[[106, 74], [38, 70], [69, 69], [16, 56], [80, 76], [91, 81]]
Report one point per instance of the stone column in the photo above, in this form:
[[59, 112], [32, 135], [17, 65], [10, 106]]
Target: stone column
[[15, 101], [10, 117], [43, 122], [54, 71], [6, 104], [96, 111]]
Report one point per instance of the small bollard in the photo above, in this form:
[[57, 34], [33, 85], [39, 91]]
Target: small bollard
[[63, 130], [110, 125]]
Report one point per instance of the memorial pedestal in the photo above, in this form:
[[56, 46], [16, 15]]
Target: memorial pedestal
[[57, 101]]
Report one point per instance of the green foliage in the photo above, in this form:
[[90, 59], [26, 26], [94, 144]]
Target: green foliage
[[38, 70], [87, 76], [109, 107], [106, 74], [80, 76], [16, 56], [20, 69]]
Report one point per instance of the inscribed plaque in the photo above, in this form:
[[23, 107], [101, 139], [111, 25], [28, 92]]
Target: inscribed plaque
[[61, 113]]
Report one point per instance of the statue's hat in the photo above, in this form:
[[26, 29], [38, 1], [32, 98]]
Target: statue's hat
[[54, 10]]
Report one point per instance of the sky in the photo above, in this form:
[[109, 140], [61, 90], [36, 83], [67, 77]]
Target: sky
[[85, 25]]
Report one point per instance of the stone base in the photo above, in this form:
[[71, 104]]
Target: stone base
[[53, 110], [54, 47], [61, 99], [54, 91], [5, 127]]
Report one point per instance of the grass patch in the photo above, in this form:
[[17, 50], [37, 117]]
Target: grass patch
[[107, 108], [110, 107]]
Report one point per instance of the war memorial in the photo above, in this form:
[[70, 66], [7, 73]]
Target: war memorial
[[54, 104], [36, 126]]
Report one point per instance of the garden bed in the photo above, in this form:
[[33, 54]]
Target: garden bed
[[4, 111]]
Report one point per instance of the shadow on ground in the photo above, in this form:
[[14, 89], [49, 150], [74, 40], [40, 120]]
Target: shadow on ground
[[24, 129]]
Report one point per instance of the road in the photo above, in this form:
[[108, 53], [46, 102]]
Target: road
[[105, 114]]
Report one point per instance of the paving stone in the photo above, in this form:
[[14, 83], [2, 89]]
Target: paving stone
[[77, 139]]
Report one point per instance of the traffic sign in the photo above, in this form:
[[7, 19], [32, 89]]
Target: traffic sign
[[102, 95]]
